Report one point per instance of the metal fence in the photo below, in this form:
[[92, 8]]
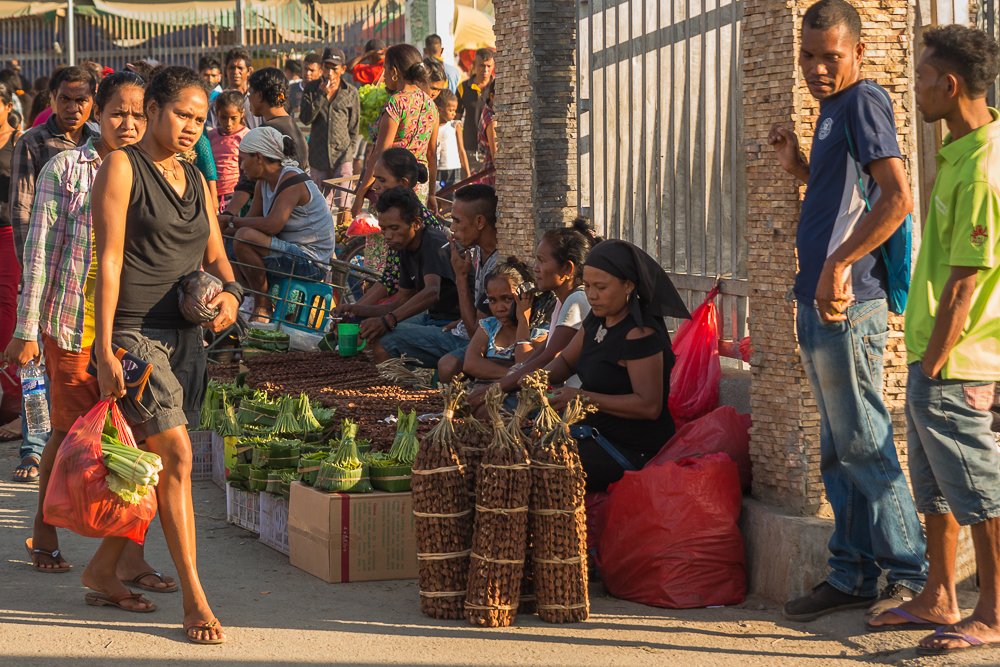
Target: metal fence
[[270, 30], [661, 155]]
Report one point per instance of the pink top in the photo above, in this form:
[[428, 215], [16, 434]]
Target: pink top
[[42, 117], [226, 151]]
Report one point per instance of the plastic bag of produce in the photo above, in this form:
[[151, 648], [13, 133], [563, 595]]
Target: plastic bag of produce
[[694, 381], [363, 225], [722, 430], [196, 290], [79, 497], [672, 537]]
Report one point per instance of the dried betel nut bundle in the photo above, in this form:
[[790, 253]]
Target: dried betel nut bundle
[[443, 517]]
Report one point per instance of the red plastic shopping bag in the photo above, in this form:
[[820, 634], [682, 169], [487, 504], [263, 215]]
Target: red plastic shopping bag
[[78, 497], [363, 225], [672, 537], [721, 430], [694, 381]]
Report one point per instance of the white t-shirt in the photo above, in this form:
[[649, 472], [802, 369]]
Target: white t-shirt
[[569, 314], [447, 146]]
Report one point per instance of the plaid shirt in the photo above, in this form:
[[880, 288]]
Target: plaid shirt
[[58, 252], [35, 147]]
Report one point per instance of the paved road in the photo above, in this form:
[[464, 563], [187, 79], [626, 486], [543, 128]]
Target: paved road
[[277, 615]]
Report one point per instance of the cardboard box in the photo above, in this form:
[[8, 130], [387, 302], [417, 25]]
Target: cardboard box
[[341, 537]]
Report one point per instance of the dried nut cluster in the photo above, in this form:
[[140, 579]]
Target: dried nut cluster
[[475, 438], [501, 527], [443, 517]]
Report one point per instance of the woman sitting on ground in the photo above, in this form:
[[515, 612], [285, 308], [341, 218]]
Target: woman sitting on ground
[[512, 334], [623, 357], [558, 270], [289, 229]]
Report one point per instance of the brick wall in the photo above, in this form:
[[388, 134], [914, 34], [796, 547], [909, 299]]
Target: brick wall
[[536, 119], [785, 439]]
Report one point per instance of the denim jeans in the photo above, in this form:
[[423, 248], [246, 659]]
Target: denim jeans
[[876, 526], [32, 444], [954, 465], [423, 339]]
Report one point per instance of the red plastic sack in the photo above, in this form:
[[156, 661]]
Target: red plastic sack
[[363, 225], [694, 381], [78, 497], [596, 505], [722, 430], [672, 538]]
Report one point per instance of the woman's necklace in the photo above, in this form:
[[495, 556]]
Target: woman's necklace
[[167, 172], [601, 333]]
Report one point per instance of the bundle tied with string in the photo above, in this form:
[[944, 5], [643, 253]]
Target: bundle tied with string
[[443, 516], [473, 438], [527, 402], [557, 517], [501, 526]]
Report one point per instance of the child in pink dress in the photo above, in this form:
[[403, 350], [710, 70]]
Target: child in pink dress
[[225, 138]]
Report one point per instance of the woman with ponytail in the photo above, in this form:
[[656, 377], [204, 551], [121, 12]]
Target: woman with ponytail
[[410, 121]]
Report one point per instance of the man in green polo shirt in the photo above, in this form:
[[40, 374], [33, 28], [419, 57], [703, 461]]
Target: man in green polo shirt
[[953, 344]]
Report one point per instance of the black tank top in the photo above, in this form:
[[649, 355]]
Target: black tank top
[[165, 239]]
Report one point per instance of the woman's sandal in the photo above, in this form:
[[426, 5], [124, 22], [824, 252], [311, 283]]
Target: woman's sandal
[[210, 625], [102, 600], [137, 583], [55, 555]]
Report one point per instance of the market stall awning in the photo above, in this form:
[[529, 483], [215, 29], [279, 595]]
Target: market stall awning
[[10, 9], [288, 17], [473, 29]]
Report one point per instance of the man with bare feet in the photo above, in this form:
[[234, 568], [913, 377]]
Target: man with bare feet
[[952, 337]]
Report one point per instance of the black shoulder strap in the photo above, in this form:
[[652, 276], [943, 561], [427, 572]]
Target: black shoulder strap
[[289, 182]]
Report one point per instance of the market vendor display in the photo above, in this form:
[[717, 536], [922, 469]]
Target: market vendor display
[[623, 357], [289, 229], [413, 323]]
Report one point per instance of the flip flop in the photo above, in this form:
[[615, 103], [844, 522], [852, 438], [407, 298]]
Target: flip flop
[[137, 583], [913, 622], [55, 555], [102, 600], [210, 625], [974, 643], [31, 478]]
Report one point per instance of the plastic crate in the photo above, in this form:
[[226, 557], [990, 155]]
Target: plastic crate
[[243, 509], [201, 455], [274, 522], [219, 472]]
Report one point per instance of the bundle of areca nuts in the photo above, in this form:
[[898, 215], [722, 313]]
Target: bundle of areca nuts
[[474, 437], [443, 516], [527, 402], [558, 519], [501, 525]]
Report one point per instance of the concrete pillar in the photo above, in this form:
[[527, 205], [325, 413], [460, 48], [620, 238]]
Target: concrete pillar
[[536, 119]]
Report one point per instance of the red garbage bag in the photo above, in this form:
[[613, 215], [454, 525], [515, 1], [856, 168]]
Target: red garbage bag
[[721, 430], [694, 381], [78, 497], [672, 539]]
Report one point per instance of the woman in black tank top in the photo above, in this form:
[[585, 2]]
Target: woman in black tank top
[[153, 224]]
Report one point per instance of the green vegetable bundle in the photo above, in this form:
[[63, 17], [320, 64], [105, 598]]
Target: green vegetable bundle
[[132, 473], [309, 465], [343, 471], [323, 415], [258, 479], [226, 423], [265, 339], [373, 101], [393, 471], [275, 478], [287, 423], [304, 413], [258, 410], [284, 454], [209, 406]]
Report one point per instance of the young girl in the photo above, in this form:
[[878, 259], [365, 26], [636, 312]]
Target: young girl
[[229, 130], [453, 163], [508, 337]]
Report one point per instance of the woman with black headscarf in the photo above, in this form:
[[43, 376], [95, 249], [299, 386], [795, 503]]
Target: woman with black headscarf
[[623, 357]]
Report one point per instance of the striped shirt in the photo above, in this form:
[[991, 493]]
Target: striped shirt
[[35, 147], [59, 250]]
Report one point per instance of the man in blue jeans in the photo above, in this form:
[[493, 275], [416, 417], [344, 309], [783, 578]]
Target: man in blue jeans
[[953, 344], [842, 317]]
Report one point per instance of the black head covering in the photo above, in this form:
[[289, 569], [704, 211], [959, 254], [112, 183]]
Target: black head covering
[[655, 296]]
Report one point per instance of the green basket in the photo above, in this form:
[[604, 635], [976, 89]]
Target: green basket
[[392, 479]]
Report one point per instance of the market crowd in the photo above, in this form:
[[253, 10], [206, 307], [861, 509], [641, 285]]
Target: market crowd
[[117, 185]]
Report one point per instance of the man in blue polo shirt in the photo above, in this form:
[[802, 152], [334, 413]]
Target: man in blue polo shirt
[[842, 317]]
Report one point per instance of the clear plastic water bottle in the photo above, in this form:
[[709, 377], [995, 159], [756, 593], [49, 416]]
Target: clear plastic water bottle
[[36, 405]]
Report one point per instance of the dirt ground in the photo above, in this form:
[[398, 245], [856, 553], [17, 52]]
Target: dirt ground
[[277, 615]]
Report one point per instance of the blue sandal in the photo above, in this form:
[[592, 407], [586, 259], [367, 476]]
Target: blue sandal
[[29, 464], [948, 632]]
